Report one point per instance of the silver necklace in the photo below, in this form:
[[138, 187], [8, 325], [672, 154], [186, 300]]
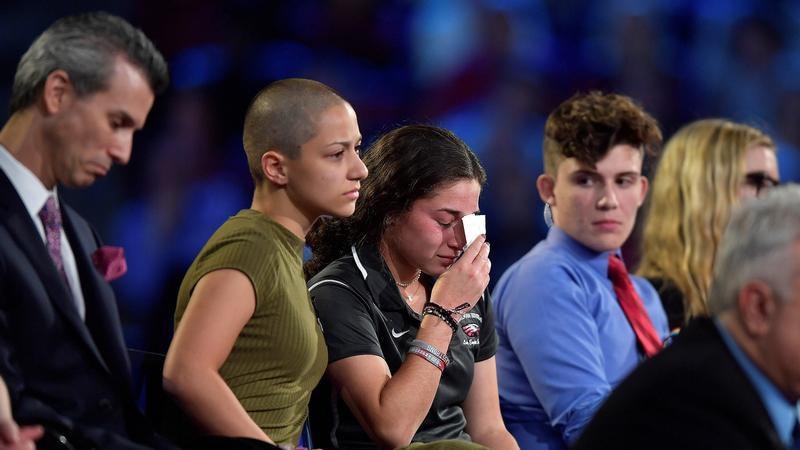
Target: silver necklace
[[405, 284]]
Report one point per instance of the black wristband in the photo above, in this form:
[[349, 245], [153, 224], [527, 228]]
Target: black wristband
[[443, 314]]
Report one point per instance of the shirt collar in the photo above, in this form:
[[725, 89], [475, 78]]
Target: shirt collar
[[29, 187], [598, 261], [782, 413], [378, 278]]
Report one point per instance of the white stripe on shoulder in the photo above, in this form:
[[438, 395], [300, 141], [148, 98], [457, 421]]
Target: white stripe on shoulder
[[320, 282], [358, 262]]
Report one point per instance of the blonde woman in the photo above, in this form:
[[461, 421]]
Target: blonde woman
[[706, 169]]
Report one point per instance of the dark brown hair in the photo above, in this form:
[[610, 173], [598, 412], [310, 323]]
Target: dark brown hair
[[587, 126], [405, 164]]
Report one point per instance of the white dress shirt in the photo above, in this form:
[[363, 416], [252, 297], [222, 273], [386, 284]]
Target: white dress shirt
[[34, 195]]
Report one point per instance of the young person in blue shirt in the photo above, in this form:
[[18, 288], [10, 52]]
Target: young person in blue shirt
[[564, 339]]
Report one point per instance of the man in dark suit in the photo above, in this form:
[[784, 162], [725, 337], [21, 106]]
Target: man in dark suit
[[80, 92], [731, 381]]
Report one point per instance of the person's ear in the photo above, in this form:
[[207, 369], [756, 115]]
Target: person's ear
[[546, 185], [757, 305], [645, 186], [273, 165], [57, 90]]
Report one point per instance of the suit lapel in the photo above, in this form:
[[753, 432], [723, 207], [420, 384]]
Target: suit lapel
[[748, 402], [102, 316], [22, 229]]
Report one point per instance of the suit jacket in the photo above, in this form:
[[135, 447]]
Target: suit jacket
[[693, 395], [70, 375]]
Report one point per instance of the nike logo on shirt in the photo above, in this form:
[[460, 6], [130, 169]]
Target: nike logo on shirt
[[398, 334]]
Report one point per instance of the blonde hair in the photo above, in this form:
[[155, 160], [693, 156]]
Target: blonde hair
[[695, 187]]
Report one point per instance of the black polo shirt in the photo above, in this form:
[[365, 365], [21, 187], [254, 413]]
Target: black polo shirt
[[362, 313]]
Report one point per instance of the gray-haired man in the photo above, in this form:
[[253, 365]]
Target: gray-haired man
[[80, 92], [731, 381]]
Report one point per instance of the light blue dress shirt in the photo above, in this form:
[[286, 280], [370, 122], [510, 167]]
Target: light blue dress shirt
[[564, 341], [782, 412]]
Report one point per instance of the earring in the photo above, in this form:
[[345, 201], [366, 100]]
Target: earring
[[548, 215]]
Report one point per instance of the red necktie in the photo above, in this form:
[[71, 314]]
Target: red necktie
[[632, 306]]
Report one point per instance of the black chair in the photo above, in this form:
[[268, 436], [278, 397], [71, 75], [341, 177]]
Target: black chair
[[159, 407], [320, 412], [168, 418]]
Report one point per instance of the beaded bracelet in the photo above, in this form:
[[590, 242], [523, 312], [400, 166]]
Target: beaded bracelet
[[431, 349], [430, 357], [435, 310], [457, 310]]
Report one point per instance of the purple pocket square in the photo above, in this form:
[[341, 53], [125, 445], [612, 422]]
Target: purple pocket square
[[110, 262]]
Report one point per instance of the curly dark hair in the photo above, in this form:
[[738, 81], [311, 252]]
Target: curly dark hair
[[405, 164], [587, 126]]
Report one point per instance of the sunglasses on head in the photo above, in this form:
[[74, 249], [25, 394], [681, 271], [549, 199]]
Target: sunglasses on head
[[760, 180]]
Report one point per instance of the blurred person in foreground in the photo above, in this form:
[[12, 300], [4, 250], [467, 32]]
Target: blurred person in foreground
[[13, 436], [732, 380], [81, 91]]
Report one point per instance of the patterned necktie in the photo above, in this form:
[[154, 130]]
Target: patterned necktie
[[51, 219], [633, 307]]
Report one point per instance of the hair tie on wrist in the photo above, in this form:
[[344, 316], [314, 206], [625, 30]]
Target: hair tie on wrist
[[458, 309]]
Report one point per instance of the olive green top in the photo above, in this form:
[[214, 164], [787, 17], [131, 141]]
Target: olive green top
[[280, 354]]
